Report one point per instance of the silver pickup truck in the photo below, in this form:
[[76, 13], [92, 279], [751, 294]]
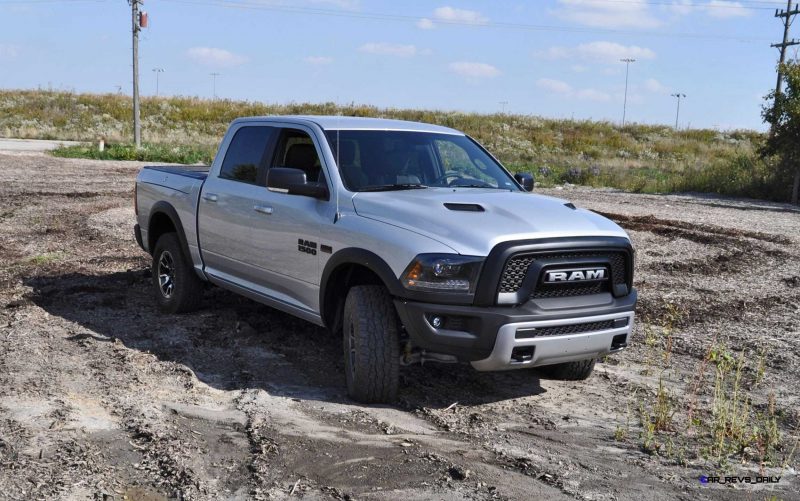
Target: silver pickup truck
[[409, 240]]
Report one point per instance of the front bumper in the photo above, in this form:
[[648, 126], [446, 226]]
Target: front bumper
[[512, 353], [488, 336]]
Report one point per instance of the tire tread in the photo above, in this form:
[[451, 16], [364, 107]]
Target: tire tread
[[377, 346]]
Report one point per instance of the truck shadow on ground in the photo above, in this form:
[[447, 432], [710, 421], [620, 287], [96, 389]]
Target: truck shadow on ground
[[234, 343]]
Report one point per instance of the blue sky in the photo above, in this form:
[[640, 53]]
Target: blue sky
[[554, 58]]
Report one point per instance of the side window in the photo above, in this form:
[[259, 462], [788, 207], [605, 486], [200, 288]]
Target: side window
[[456, 159], [245, 154], [296, 150]]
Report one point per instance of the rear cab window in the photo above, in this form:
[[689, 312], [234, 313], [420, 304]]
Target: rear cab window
[[245, 157]]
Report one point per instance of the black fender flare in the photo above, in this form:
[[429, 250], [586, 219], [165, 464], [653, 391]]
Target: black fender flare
[[168, 210], [362, 257]]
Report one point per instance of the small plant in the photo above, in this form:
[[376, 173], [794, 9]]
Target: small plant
[[736, 424], [46, 258]]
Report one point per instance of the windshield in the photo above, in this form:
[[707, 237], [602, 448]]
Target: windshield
[[378, 160]]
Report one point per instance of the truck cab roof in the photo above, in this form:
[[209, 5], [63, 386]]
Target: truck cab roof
[[328, 122]]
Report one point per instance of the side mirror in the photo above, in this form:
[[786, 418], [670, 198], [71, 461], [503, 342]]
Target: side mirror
[[293, 182], [525, 179]]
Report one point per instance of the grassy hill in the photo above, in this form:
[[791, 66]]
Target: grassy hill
[[636, 157]]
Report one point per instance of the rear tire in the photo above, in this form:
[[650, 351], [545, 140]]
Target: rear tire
[[570, 371], [371, 345], [177, 287]]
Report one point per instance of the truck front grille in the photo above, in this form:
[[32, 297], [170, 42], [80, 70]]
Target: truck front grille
[[517, 267]]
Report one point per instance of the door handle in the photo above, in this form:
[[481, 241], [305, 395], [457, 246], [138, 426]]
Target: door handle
[[210, 197], [264, 209]]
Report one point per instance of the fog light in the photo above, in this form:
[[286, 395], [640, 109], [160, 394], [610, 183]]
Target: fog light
[[522, 354], [436, 322]]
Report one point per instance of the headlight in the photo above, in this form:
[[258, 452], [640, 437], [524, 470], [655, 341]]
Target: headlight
[[442, 273]]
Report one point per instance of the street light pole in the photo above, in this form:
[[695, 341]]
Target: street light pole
[[157, 71], [627, 62], [214, 83], [678, 112]]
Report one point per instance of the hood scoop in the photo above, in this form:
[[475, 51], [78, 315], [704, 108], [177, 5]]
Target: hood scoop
[[465, 207]]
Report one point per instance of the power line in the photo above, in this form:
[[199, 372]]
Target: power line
[[243, 4], [29, 2], [738, 5]]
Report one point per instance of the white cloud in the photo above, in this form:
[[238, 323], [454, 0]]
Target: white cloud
[[388, 49], [453, 15], [211, 56], [724, 9], [593, 95], [579, 68], [564, 89], [8, 51], [605, 52], [318, 60], [604, 14], [555, 86], [474, 70], [656, 87], [425, 24]]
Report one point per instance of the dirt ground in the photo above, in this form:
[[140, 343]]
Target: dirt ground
[[102, 397]]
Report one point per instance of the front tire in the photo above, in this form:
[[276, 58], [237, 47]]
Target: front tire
[[570, 371], [371, 345], [178, 289]]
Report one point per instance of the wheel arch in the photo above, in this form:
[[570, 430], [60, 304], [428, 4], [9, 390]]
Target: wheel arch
[[164, 219], [348, 268]]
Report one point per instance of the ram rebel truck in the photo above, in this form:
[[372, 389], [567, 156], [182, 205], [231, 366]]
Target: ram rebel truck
[[409, 240]]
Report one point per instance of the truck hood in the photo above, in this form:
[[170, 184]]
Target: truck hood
[[505, 216]]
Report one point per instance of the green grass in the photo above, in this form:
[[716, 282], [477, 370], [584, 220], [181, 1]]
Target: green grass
[[639, 158], [149, 152], [727, 414], [46, 258]]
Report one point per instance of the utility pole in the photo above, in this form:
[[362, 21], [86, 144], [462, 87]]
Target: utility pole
[[627, 62], [787, 16], [135, 28], [157, 71], [214, 83], [503, 104], [678, 113]]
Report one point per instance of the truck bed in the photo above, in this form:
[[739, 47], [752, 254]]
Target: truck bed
[[194, 171], [177, 186]]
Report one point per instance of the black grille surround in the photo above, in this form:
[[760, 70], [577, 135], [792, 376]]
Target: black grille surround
[[505, 276], [560, 330], [517, 268]]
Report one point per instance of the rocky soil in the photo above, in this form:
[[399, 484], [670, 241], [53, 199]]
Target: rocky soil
[[102, 397]]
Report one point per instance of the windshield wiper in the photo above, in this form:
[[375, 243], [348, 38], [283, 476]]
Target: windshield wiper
[[474, 186], [393, 187]]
